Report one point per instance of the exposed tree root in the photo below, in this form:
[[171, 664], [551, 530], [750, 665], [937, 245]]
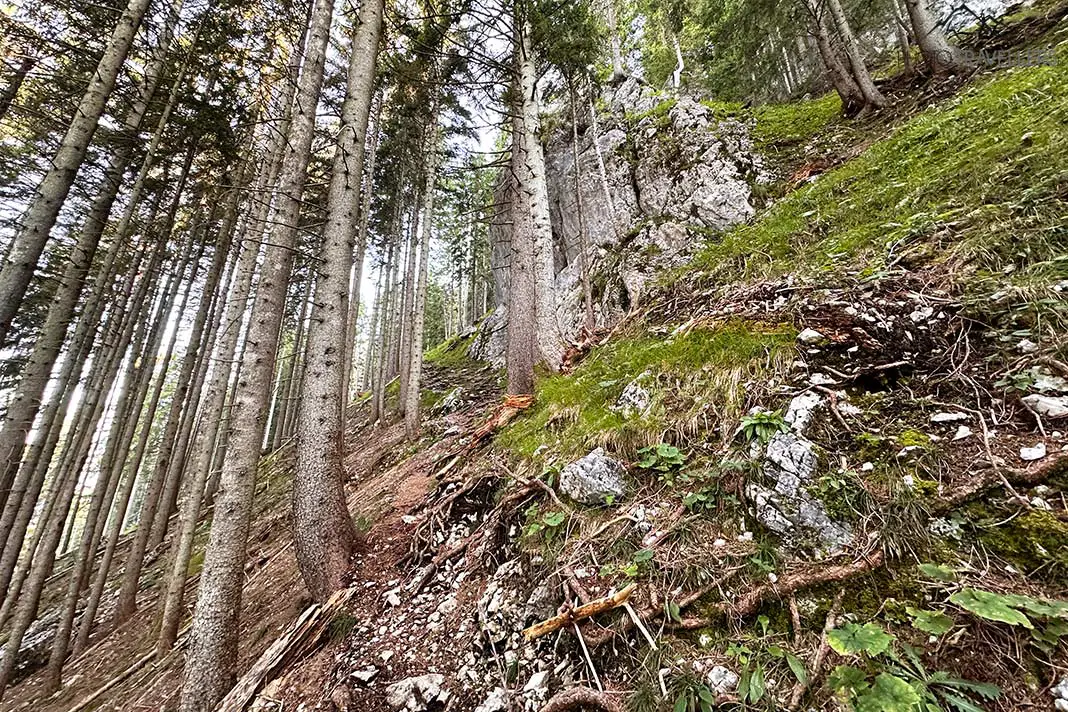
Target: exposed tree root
[[1025, 477], [580, 698]]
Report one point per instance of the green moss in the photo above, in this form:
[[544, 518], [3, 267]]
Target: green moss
[[1036, 540], [451, 353], [695, 379], [783, 124], [910, 437], [980, 177]]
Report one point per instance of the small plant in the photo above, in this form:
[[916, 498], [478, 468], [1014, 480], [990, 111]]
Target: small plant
[[547, 524], [762, 426], [885, 680], [663, 458], [1046, 620]]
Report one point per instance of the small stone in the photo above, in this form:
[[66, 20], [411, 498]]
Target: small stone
[[867, 467], [811, 337], [1047, 406], [416, 693], [947, 417], [1060, 690], [1026, 346], [801, 409], [719, 543], [537, 681], [393, 599], [1037, 452], [366, 675], [963, 431], [1039, 503], [721, 680]]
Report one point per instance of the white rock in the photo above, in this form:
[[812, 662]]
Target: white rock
[[811, 337], [537, 681], [1047, 406], [1039, 503], [721, 680], [416, 693], [947, 417], [1060, 690], [801, 408], [497, 701], [593, 479], [1026, 346], [366, 675], [963, 431], [1037, 452]]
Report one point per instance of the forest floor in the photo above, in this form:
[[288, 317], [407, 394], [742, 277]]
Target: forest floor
[[881, 323]]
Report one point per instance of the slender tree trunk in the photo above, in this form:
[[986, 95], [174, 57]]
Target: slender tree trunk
[[415, 367], [901, 30], [521, 350], [404, 357], [84, 556], [852, 98], [871, 94], [367, 194], [40, 217], [212, 654], [11, 91], [324, 534], [378, 396], [26, 401], [126, 603]]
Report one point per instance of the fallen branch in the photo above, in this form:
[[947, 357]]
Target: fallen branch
[[587, 610], [749, 603], [299, 639], [580, 698], [86, 702]]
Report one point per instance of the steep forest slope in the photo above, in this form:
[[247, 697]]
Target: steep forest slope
[[817, 463]]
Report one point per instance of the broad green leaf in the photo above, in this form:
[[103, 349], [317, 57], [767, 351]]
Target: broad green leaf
[[983, 689], [990, 606], [643, 555], [848, 679], [933, 622], [554, 519], [1038, 606], [938, 572], [756, 684], [853, 639], [680, 703], [889, 694]]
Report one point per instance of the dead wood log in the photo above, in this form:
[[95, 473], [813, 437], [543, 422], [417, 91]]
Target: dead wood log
[[578, 698], [587, 610], [299, 639]]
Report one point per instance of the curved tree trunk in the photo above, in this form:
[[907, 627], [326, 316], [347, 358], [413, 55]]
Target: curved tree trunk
[[939, 55], [865, 83]]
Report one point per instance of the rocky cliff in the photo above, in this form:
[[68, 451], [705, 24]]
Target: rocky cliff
[[655, 177]]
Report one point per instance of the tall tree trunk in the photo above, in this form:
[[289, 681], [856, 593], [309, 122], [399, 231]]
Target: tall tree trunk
[[534, 189], [415, 367], [11, 91], [324, 533], [521, 349], [367, 194], [40, 217], [852, 98], [212, 654], [871, 94]]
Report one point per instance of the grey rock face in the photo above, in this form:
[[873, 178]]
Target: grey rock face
[[415, 694], [593, 479], [667, 181], [786, 507]]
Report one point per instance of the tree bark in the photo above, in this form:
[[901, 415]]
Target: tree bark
[[324, 535], [40, 217], [938, 54], [415, 367], [212, 654], [865, 83], [852, 99]]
